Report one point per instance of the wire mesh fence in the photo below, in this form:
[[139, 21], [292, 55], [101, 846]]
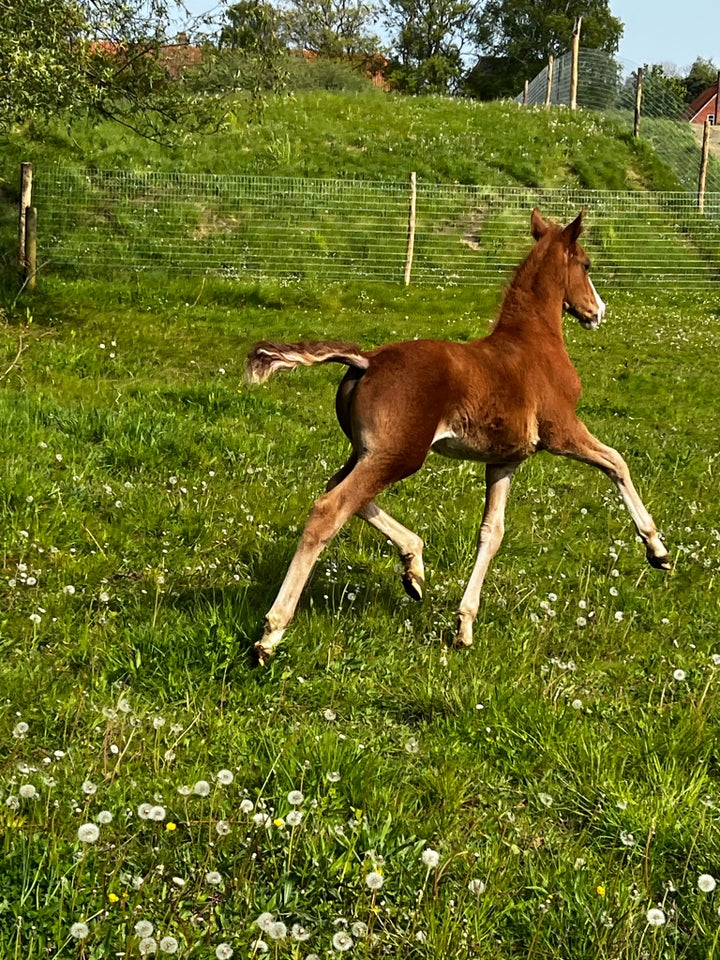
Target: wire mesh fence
[[608, 84], [242, 227]]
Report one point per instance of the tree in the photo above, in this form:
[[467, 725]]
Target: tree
[[523, 33], [252, 50], [702, 75], [429, 38], [103, 58], [331, 28]]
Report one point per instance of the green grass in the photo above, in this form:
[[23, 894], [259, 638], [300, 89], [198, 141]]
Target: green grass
[[561, 765]]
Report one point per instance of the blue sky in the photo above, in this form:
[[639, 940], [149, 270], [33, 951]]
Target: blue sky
[[669, 31], [656, 31]]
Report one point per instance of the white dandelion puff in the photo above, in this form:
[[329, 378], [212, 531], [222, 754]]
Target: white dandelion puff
[[706, 883], [679, 675], [295, 798], [374, 880], [143, 928], [88, 833], [213, 878], [277, 930], [169, 945], [431, 858], [655, 917], [476, 887], [224, 777], [147, 946], [299, 932], [80, 931], [342, 941], [201, 788], [223, 951]]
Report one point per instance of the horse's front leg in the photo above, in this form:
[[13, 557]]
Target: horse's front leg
[[583, 446], [498, 477]]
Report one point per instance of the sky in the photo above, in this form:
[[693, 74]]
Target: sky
[[668, 31], [656, 31]]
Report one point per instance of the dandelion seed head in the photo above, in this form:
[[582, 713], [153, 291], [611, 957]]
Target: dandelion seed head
[[679, 675], [333, 776], [224, 777], [246, 806], [300, 933], [295, 798], [169, 945], [294, 818], [264, 921], [706, 883], [27, 791], [374, 880], [201, 788], [655, 917], [143, 928], [342, 941], [224, 951], [431, 858], [545, 799], [80, 931], [359, 929], [213, 878], [88, 833], [222, 828], [147, 946], [20, 730], [476, 887], [277, 930]]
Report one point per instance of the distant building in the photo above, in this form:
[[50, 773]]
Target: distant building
[[704, 107]]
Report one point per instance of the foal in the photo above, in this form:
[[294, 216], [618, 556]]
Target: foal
[[497, 400]]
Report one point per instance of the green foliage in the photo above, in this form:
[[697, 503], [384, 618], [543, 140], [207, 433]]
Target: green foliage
[[521, 34], [50, 67], [428, 43]]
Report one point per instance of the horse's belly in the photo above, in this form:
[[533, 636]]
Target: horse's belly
[[485, 446]]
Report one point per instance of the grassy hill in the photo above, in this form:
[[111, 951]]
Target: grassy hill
[[374, 136]]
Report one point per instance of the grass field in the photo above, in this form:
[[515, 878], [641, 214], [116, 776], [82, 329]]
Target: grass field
[[550, 793], [563, 769]]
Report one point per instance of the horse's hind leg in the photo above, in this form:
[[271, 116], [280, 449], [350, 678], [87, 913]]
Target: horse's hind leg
[[409, 544], [329, 513]]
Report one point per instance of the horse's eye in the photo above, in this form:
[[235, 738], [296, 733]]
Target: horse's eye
[[586, 267]]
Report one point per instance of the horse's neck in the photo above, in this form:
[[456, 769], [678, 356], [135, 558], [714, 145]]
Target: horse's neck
[[533, 305]]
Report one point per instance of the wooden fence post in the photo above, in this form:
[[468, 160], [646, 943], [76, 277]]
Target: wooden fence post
[[703, 166], [575, 59], [26, 174], [411, 228], [638, 101], [548, 88], [30, 247]]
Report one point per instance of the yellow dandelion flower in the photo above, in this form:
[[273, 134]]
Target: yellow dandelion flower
[[113, 897], [170, 826], [279, 823], [600, 890]]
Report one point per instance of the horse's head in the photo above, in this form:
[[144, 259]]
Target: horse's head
[[580, 298]]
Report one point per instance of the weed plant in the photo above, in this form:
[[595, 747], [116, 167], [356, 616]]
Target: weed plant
[[550, 793]]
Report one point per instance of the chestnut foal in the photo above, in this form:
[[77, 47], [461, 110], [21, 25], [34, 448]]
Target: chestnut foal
[[497, 400]]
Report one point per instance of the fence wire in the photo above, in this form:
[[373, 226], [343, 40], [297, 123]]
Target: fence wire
[[242, 227]]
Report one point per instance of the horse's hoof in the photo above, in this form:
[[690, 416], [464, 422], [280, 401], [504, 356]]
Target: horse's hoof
[[263, 653], [660, 563], [413, 586], [463, 637]]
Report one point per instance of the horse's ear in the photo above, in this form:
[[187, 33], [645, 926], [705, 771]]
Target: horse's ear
[[538, 227], [573, 230]]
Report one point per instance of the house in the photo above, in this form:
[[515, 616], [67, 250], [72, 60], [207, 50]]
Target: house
[[704, 107]]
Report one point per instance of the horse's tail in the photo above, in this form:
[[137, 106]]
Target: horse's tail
[[266, 358]]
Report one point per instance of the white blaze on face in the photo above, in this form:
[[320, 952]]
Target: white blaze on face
[[599, 301]]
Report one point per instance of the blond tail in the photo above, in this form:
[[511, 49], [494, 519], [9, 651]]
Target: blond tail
[[266, 358]]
